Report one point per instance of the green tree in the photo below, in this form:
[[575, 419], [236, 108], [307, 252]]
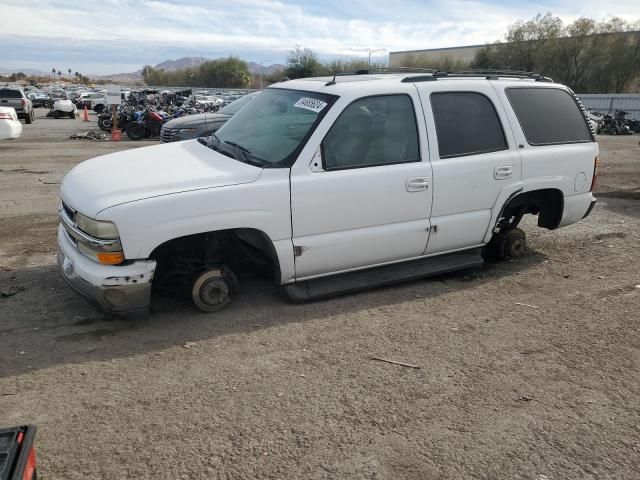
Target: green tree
[[302, 62]]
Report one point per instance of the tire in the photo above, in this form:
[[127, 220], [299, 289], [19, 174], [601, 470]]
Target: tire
[[104, 123], [72, 115], [56, 114], [98, 109], [507, 245], [214, 289], [29, 118], [135, 131]]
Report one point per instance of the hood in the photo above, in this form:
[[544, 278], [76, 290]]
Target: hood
[[197, 120], [147, 172]]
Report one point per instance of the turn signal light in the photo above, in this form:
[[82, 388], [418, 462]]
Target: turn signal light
[[596, 172], [110, 258]]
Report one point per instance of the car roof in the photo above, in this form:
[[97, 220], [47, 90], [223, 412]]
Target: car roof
[[348, 85]]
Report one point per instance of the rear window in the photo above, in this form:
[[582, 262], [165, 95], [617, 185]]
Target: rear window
[[8, 93], [466, 124], [549, 116]]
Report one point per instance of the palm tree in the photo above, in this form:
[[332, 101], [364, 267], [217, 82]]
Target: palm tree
[[53, 70], [59, 73], [69, 70]]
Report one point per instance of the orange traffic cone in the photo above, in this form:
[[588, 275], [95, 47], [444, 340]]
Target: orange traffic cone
[[86, 114]]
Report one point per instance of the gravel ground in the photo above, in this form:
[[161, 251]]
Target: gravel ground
[[529, 369]]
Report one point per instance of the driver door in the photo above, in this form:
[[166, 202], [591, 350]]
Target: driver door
[[364, 199]]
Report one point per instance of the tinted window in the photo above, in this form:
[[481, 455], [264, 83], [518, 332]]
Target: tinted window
[[466, 124], [8, 93], [373, 131], [548, 116]]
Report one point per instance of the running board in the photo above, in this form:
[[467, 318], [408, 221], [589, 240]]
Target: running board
[[380, 276]]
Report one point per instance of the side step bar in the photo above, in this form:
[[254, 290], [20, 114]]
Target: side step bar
[[350, 282]]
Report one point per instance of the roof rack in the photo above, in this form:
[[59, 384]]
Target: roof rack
[[430, 74], [487, 73], [380, 70]]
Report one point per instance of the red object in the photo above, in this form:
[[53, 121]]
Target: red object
[[86, 114], [155, 116], [116, 135], [30, 468]]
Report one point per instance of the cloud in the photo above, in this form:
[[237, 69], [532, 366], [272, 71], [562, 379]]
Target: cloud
[[120, 33]]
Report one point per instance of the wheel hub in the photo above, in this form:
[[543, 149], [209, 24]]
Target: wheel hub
[[214, 291]]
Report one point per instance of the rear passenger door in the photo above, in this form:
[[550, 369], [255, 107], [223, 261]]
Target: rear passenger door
[[474, 160]]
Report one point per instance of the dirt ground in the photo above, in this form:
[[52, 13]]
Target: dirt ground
[[530, 369]]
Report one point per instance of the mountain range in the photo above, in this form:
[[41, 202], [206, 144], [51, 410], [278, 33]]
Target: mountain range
[[188, 62], [169, 65]]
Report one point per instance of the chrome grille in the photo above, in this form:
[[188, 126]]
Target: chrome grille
[[71, 213], [168, 135]]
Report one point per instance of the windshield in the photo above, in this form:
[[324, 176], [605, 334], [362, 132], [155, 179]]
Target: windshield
[[272, 128], [236, 105]]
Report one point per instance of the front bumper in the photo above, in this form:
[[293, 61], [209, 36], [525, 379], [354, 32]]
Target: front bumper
[[114, 289]]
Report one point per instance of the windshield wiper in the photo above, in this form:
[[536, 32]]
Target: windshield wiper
[[248, 157], [216, 146]]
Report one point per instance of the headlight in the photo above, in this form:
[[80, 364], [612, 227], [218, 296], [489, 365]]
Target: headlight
[[97, 229], [184, 130]]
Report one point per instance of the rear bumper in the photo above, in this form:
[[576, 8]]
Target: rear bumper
[[10, 130], [593, 204], [576, 207], [114, 289]]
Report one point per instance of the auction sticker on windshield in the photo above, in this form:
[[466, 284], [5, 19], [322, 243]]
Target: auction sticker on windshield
[[312, 104]]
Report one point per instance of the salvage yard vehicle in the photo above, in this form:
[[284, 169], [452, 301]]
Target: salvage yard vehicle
[[93, 101], [62, 109], [17, 453], [202, 124], [39, 99], [10, 126], [332, 185], [15, 97]]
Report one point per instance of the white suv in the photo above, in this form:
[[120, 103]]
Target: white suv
[[331, 185]]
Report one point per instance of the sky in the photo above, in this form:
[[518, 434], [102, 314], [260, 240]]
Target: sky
[[116, 36]]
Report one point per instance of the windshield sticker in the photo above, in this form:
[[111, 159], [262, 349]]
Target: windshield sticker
[[312, 104]]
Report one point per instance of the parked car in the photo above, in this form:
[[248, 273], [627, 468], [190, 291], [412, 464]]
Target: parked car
[[329, 186], [15, 97], [93, 101], [10, 126], [39, 99], [201, 124]]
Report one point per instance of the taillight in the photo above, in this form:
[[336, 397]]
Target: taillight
[[24, 102], [596, 171], [5, 116]]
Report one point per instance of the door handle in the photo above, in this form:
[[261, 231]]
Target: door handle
[[417, 184], [505, 171]]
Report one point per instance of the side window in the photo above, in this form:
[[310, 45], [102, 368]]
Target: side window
[[466, 124], [372, 131], [548, 116]]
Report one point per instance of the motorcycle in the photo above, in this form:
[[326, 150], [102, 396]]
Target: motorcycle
[[149, 123], [124, 113]]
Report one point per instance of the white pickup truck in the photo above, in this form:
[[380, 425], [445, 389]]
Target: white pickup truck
[[332, 185]]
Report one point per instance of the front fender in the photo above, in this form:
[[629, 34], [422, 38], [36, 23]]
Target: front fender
[[262, 205]]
